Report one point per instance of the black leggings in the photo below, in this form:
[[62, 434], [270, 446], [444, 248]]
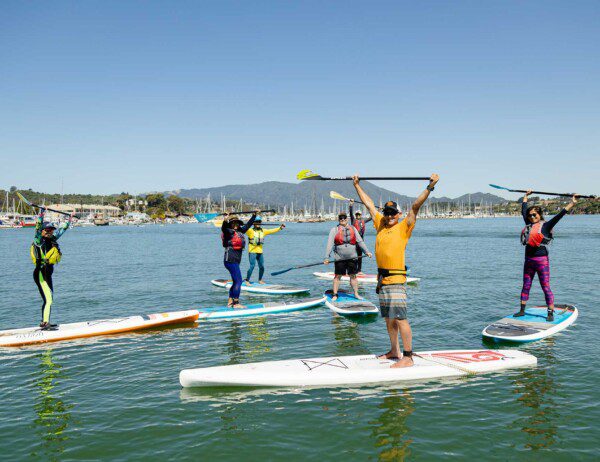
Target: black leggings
[[42, 275]]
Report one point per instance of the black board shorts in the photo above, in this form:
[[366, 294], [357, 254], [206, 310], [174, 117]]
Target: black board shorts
[[346, 267]]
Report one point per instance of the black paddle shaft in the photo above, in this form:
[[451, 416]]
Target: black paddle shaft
[[275, 273], [346, 178], [247, 211], [553, 194]]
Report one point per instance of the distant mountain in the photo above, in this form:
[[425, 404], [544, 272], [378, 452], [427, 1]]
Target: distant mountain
[[310, 194]]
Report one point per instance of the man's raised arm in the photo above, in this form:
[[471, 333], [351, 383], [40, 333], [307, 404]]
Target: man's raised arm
[[411, 218], [363, 196]]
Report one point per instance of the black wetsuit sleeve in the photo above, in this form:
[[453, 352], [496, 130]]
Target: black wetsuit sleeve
[[548, 225], [351, 212], [524, 212], [244, 229]]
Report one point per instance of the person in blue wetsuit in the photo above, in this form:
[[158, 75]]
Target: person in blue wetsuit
[[45, 253], [536, 236], [234, 241]]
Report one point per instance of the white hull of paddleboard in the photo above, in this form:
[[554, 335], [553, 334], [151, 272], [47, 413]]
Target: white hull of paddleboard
[[260, 309], [355, 370], [532, 326], [362, 278], [271, 289], [33, 335]]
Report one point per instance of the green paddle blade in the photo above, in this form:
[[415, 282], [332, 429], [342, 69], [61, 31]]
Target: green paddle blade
[[23, 198], [308, 175], [335, 195]]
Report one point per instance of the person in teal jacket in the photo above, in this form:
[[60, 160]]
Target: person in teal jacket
[[45, 253]]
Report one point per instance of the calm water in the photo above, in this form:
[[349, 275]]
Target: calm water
[[119, 398]]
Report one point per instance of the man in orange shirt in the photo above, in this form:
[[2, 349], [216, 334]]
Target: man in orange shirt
[[390, 246]]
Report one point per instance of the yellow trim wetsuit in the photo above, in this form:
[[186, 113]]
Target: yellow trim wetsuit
[[45, 253], [256, 239]]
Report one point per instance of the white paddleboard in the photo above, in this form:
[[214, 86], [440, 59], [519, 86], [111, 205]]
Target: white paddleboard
[[361, 278], [258, 309], [354, 370], [348, 305], [257, 288], [533, 326], [32, 335]]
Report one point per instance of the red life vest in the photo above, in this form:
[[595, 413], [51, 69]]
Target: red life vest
[[360, 226], [345, 235], [237, 241], [532, 235]]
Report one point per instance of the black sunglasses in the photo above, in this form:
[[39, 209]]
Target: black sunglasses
[[531, 215], [390, 213]]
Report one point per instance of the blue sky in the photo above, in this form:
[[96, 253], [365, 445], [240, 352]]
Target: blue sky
[[110, 96]]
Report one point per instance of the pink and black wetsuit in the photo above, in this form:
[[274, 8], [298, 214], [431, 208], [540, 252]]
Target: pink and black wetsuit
[[536, 259]]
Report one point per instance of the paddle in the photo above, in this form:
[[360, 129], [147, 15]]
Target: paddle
[[40, 207], [247, 211], [542, 192], [276, 273], [338, 196], [309, 175]]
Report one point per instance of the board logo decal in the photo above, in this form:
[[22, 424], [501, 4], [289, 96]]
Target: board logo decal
[[334, 362], [471, 356]]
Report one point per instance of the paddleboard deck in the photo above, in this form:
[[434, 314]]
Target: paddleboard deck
[[33, 335], [348, 305], [362, 278], [533, 326], [355, 370], [259, 309], [279, 289]]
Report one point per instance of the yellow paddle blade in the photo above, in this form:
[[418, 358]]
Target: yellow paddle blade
[[307, 175], [335, 195]]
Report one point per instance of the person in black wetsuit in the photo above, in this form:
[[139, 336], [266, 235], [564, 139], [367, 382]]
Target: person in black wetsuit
[[360, 225], [233, 230], [536, 236]]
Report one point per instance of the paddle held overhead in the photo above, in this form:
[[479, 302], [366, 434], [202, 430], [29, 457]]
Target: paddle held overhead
[[543, 192], [41, 207], [338, 196], [309, 175]]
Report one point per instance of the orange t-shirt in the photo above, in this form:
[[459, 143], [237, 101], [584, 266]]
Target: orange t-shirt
[[390, 245]]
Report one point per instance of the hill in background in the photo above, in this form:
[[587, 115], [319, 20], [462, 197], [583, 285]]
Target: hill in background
[[310, 194]]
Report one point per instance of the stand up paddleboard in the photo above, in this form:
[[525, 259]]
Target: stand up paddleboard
[[355, 370], [259, 309], [348, 305], [274, 289], [362, 278], [533, 326], [32, 335]]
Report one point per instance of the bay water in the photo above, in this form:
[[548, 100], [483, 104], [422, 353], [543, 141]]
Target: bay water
[[119, 398]]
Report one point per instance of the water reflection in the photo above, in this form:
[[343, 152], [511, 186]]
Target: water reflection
[[536, 389], [240, 350], [390, 430], [347, 337], [53, 415]]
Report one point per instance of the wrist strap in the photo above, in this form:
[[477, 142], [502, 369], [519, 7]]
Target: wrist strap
[[430, 188]]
